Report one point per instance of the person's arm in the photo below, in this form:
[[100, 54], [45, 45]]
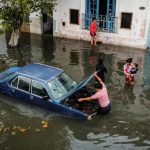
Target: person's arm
[[97, 77], [125, 71], [85, 99]]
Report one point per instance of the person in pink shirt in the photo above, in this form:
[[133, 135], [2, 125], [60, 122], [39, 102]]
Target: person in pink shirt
[[101, 95]]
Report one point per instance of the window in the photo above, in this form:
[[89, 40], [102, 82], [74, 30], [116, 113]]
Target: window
[[126, 20], [24, 83], [14, 82], [104, 12], [74, 16], [39, 89], [61, 85]]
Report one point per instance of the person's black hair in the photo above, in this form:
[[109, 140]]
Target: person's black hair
[[98, 85], [129, 60], [100, 61], [136, 65], [94, 18]]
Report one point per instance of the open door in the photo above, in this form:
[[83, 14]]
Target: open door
[[47, 24]]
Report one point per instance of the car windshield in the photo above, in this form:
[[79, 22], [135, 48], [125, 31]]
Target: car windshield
[[61, 85]]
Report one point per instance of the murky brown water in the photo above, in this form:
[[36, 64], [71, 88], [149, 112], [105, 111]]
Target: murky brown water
[[127, 125]]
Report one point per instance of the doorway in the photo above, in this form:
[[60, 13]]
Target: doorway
[[47, 24]]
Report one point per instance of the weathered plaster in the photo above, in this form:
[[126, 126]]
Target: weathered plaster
[[137, 36], [134, 37]]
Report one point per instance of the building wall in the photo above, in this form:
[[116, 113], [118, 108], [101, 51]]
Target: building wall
[[136, 37], [139, 28], [62, 15]]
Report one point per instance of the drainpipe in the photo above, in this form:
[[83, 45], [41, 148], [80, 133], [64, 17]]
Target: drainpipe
[[148, 24], [82, 11]]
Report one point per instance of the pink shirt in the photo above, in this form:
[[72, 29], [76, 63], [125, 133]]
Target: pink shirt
[[102, 96]]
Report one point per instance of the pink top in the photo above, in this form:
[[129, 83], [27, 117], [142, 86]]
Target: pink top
[[127, 68], [102, 96]]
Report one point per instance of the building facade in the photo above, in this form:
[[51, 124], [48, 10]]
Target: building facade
[[124, 23]]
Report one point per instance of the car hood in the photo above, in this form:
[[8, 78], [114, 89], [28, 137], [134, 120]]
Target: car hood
[[82, 83], [78, 87]]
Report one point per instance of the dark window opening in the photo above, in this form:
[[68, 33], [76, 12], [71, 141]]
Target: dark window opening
[[103, 7], [74, 16], [44, 18], [93, 6], [126, 20], [63, 23], [24, 84]]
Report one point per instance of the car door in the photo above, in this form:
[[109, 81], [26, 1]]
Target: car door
[[21, 88], [39, 94]]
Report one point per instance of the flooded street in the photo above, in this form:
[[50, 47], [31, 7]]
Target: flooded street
[[125, 127]]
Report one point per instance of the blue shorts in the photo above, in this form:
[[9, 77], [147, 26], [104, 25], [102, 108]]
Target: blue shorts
[[105, 110]]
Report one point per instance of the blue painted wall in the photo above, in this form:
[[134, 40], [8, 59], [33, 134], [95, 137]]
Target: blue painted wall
[[149, 37]]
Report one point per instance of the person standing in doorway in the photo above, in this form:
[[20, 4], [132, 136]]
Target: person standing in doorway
[[101, 70], [93, 30]]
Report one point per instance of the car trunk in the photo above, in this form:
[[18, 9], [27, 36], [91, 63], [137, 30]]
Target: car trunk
[[8, 72]]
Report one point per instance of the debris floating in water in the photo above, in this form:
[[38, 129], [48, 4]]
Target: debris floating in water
[[45, 124]]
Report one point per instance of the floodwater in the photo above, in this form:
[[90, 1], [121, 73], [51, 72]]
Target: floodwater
[[125, 127]]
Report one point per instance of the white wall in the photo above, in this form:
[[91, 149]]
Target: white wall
[[139, 18], [137, 35], [62, 14], [134, 37]]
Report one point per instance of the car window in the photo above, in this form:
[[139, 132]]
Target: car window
[[15, 82], [56, 89], [39, 89], [24, 83], [61, 85]]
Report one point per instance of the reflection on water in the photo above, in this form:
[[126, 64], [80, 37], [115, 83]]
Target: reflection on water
[[127, 125]]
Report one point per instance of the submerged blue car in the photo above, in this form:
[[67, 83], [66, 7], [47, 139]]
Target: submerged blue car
[[49, 87]]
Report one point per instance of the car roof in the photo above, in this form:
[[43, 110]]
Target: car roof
[[40, 71]]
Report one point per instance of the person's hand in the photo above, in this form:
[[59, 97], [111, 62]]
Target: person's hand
[[95, 73], [92, 33], [131, 75], [80, 99]]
